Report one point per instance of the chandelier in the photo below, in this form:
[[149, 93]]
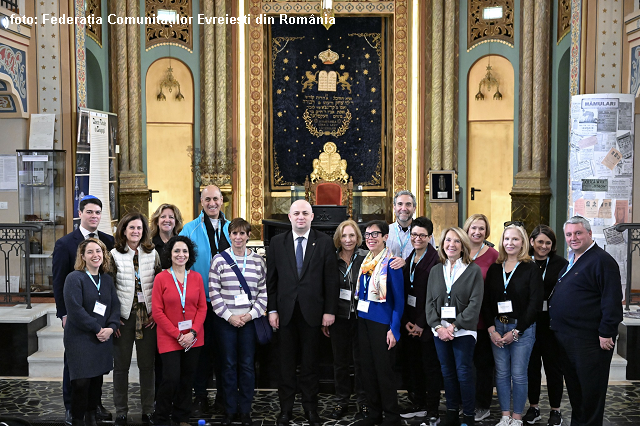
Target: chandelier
[[488, 81]]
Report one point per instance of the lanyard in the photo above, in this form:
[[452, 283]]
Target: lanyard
[[449, 277], [413, 272], [571, 263], [402, 244], [94, 281], [244, 266], [544, 274], [481, 247], [504, 275], [183, 294], [344, 275]]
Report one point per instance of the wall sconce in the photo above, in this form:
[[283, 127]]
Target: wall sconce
[[488, 81], [169, 82], [327, 13]]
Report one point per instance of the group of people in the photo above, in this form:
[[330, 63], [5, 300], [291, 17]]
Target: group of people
[[460, 312]]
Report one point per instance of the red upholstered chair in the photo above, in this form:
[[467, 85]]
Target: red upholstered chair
[[328, 193]]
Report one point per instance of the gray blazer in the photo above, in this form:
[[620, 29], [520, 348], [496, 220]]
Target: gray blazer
[[466, 296]]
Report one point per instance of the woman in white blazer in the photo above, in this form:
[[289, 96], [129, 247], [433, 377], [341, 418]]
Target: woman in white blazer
[[136, 263]]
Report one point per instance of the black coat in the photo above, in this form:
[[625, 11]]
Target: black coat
[[417, 315], [316, 290], [556, 264], [64, 257], [346, 308], [86, 356]]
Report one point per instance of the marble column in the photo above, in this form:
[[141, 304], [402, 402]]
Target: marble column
[[531, 192], [437, 37], [134, 194]]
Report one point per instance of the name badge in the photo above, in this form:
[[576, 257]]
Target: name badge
[[241, 299], [140, 297], [545, 305], [345, 294], [505, 307], [448, 312], [185, 325], [411, 301], [363, 306], [100, 308]]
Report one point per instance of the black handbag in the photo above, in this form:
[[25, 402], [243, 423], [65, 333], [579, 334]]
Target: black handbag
[[264, 332]]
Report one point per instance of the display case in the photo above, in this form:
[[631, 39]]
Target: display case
[[41, 175]]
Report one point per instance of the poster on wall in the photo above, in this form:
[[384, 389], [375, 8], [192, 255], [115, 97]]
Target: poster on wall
[[601, 168]]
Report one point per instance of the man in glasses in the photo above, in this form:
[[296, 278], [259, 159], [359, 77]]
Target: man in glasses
[[303, 288], [404, 207], [585, 310]]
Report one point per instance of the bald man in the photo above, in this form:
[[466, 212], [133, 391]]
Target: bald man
[[303, 291], [210, 234]]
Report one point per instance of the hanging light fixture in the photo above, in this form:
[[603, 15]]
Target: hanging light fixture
[[327, 13], [489, 81], [169, 82]]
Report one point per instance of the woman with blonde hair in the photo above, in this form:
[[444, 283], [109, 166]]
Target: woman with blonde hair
[[512, 300], [484, 255], [454, 302], [93, 314], [165, 222]]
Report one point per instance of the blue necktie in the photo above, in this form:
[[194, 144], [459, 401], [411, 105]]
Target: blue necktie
[[299, 255]]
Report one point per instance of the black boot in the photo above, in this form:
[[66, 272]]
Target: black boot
[[90, 418], [452, 419], [469, 420]]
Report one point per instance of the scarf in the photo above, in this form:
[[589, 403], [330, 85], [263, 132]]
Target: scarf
[[376, 269]]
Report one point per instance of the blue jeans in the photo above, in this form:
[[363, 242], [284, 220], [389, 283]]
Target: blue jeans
[[512, 362], [237, 353], [456, 360]]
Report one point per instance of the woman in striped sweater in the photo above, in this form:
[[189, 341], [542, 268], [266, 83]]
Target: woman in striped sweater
[[235, 309]]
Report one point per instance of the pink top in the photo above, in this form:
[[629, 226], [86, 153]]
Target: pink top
[[484, 261]]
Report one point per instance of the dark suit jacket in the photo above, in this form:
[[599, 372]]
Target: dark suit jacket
[[64, 257], [316, 290]]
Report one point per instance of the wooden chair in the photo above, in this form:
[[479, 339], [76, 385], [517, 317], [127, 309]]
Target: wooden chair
[[329, 183]]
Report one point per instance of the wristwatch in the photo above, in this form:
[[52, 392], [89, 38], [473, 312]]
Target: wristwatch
[[437, 327], [194, 333], [455, 328]]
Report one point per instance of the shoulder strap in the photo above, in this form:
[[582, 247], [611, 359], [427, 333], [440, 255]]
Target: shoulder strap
[[236, 270]]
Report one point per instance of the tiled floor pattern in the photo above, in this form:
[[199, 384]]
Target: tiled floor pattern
[[40, 402]]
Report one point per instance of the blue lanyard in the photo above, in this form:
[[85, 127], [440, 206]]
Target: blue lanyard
[[94, 281], [183, 294], [571, 263], [481, 247], [244, 265], [544, 274], [449, 278], [402, 244], [413, 272], [344, 275], [504, 275]]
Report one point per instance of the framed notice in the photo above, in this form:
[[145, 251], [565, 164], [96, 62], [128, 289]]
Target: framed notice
[[442, 186]]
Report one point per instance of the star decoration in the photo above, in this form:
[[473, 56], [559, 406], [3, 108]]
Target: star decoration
[[373, 90], [604, 32], [613, 65], [44, 89], [602, 75], [44, 67], [286, 61], [366, 56], [365, 72], [279, 114], [604, 10], [279, 92], [55, 99], [615, 43], [286, 78], [615, 21], [44, 110], [53, 36], [54, 78], [603, 54], [613, 86], [373, 111], [314, 66], [341, 67]]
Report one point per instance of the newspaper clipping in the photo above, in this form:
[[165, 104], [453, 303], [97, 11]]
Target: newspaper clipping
[[601, 168]]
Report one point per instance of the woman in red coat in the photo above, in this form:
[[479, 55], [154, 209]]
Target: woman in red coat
[[179, 308]]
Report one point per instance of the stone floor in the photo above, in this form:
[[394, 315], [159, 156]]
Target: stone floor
[[40, 402]]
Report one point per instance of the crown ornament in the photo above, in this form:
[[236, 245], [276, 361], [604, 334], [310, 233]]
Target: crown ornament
[[328, 56]]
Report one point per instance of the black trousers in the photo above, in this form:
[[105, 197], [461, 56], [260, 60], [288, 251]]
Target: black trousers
[[586, 372], [421, 369], [298, 336], [344, 343], [379, 378], [209, 361], [85, 395], [173, 398], [484, 367], [546, 350]]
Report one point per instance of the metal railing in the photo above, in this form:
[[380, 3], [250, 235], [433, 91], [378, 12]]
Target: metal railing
[[14, 240], [12, 5], [633, 244]]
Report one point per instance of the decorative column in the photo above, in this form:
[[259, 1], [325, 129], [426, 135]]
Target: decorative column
[[134, 194], [531, 193], [443, 104]]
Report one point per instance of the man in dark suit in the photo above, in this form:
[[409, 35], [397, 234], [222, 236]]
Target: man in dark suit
[[303, 292], [64, 258], [585, 308]]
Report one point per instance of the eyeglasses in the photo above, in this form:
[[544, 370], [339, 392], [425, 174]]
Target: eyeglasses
[[419, 236], [374, 234], [514, 223]]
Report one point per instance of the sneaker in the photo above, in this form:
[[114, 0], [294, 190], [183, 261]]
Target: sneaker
[[506, 421], [532, 416], [515, 422], [413, 411], [555, 418], [481, 414]]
